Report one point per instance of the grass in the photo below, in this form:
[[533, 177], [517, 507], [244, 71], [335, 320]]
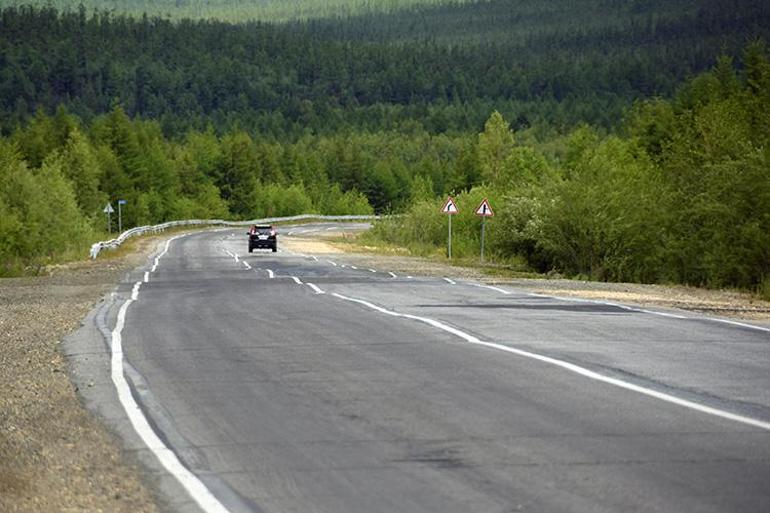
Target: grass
[[510, 268]]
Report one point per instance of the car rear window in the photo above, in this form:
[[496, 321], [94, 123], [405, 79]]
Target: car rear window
[[264, 230]]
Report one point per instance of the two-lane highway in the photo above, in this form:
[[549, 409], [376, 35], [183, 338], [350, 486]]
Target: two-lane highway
[[298, 383]]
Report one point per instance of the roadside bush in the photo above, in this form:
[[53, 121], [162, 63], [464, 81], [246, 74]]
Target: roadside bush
[[41, 222]]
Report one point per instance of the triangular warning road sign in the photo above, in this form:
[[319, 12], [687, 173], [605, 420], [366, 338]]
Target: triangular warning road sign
[[449, 206], [484, 209]]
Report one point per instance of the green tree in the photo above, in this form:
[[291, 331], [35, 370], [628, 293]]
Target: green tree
[[494, 146], [81, 166]]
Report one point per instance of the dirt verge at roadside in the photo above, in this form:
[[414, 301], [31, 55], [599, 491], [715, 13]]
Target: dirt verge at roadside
[[54, 455]]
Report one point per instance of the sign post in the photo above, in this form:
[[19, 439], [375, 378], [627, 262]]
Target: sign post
[[484, 210], [121, 202], [109, 210], [449, 209]]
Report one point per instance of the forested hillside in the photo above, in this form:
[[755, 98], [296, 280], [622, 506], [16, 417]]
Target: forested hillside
[[617, 140], [230, 10], [681, 194], [551, 65]]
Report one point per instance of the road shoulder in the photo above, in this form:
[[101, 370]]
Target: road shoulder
[[54, 454]]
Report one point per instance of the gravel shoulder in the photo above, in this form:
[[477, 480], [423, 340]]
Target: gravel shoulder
[[54, 454]]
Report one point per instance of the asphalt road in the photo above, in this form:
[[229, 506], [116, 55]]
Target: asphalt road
[[297, 383]]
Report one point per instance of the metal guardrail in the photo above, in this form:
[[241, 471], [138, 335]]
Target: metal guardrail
[[141, 230]]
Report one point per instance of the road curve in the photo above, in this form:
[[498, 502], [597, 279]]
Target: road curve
[[299, 383]]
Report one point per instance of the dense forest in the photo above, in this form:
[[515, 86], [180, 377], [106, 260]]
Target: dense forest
[[231, 10], [616, 140], [680, 195], [442, 68]]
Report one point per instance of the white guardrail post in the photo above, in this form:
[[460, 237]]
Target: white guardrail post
[[141, 230]]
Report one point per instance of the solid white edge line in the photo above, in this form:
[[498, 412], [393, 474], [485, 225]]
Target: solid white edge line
[[736, 323], [570, 367], [449, 281], [490, 287], [315, 287], [146, 276], [653, 312], [296, 280], [165, 250], [167, 458]]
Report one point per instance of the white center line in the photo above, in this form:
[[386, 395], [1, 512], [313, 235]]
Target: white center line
[[314, 287], [570, 367]]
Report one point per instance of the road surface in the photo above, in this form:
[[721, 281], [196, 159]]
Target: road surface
[[292, 382]]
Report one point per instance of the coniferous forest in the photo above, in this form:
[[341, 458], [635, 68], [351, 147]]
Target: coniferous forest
[[618, 140]]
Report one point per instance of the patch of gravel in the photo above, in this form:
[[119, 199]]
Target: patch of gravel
[[718, 303], [54, 455]]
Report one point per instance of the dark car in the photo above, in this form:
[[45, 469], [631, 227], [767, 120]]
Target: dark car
[[263, 237]]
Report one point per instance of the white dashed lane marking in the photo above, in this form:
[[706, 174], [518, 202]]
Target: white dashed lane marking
[[315, 287]]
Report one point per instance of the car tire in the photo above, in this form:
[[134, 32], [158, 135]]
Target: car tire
[[251, 250], [275, 248]]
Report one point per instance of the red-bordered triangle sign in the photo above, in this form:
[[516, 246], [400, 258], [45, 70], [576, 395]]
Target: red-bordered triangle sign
[[484, 209], [449, 206]]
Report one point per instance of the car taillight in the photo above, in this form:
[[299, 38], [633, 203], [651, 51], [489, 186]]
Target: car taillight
[[272, 233]]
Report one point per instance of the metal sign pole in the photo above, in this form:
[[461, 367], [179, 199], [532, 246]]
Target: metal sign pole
[[108, 210], [482, 237], [449, 246], [120, 217]]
